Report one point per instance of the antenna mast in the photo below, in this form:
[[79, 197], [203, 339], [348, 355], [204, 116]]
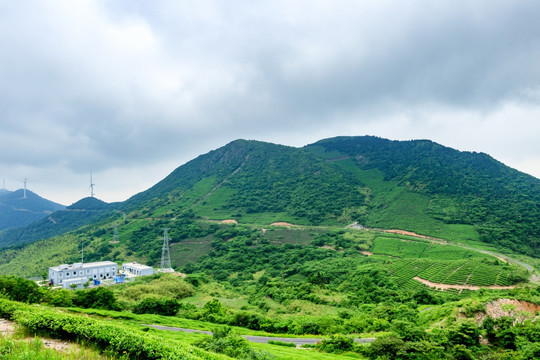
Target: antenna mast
[[165, 254], [91, 186], [24, 196]]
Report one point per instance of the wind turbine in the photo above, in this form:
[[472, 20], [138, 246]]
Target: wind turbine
[[91, 186], [24, 182]]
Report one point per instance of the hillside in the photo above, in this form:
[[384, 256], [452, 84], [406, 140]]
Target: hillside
[[312, 242], [418, 186], [17, 211]]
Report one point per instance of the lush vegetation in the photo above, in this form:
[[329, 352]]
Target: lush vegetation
[[313, 278], [465, 188], [114, 337]]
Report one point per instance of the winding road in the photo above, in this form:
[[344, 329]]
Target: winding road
[[258, 339]]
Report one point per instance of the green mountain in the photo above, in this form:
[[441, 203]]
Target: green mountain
[[418, 186], [17, 211], [421, 296]]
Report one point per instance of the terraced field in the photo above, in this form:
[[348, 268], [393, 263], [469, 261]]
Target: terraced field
[[444, 264]]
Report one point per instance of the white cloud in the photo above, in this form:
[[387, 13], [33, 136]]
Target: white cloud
[[131, 86]]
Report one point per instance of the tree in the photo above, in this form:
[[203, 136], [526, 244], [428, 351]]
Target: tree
[[166, 307]]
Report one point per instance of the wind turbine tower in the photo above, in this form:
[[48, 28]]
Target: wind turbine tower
[[165, 254], [91, 186], [24, 193]]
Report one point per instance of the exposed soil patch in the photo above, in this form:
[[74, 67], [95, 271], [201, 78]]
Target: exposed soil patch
[[355, 225], [367, 253], [281, 224], [6, 327], [229, 221], [440, 286], [410, 233], [508, 307], [57, 345]]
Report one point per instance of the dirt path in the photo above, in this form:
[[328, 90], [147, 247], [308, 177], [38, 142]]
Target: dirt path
[[440, 286], [7, 328]]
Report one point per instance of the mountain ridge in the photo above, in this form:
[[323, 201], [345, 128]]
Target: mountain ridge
[[17, 211]]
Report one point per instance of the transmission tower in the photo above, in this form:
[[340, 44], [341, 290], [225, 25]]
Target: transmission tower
[[165, 254], [115, 236]]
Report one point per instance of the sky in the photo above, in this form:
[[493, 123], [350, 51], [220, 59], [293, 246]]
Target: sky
[[129, 90]]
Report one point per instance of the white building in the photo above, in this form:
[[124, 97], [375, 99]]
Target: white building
[[80, 273], [137, 269]]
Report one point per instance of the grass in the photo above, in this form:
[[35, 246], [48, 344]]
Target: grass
[[190, 250], [291, 235], [16, 348]]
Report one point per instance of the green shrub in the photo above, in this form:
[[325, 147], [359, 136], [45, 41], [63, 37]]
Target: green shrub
[[225, 341], [337, 344], [97, 298], [281, 343], [117, 338], [19, 289], [167, 307]]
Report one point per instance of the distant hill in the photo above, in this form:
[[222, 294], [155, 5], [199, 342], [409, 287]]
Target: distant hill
[[83, 212], [88, 203], [17, 211]]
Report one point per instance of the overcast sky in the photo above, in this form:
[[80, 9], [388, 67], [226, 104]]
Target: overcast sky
[[130, 90]]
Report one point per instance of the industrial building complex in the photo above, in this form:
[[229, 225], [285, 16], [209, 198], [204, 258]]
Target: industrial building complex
[[137, 269], [79, 273], [75, 275]]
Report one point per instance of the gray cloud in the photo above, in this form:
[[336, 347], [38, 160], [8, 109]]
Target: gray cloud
[[133, 86]]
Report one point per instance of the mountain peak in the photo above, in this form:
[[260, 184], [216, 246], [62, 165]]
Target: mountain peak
[[88, 203]]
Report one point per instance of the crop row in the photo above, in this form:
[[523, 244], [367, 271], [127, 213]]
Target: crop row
[[457, 272], [424, 250], [133, 343]]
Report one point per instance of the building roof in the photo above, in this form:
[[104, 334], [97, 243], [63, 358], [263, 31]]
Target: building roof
[[137, 265], [83, 265]]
